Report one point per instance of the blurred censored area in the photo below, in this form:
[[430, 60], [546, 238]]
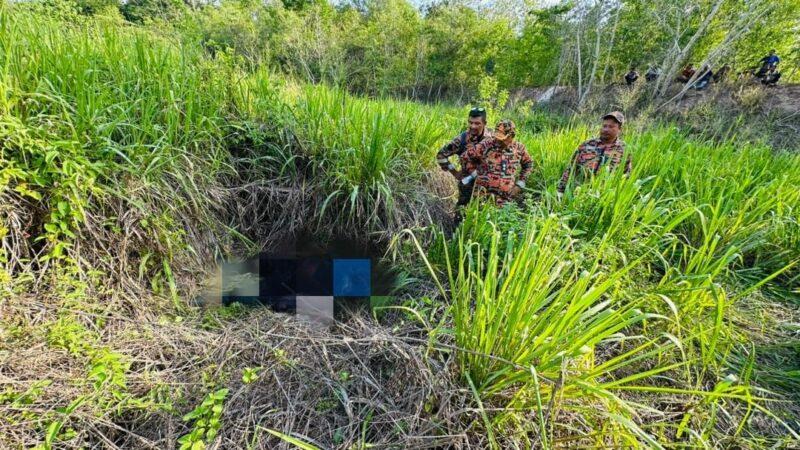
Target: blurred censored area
[[313, 281]]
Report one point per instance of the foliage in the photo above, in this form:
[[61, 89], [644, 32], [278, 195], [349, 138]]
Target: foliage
[[249, 375], [206, 417], [632, 313], [677, 248], [153, 11], [86, 126], [368, 155], [444, 49]]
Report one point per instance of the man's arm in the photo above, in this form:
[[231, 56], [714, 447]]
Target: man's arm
[[448, 150], [475, 153]]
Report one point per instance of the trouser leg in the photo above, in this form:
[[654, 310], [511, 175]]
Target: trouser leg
[[464, 193], [464, 196]]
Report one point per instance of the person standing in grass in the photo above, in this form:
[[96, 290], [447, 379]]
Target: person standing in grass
[[631, 76], [608, 150], [475, 133], [652, 74], [704, 80], [722, 74], [502, 164], [768, 64], [686, 74]]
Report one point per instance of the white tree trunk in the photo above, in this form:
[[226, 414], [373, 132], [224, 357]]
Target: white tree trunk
[[757, 11], [684, 52], [611, 46], [595, 62]]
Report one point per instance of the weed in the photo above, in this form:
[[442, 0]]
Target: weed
[[206, 417]]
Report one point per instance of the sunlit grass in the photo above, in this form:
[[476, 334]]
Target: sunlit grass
[[576, 322], [669, 254]]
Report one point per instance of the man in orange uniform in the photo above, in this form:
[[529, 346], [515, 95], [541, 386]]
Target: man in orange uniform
[[502, 164]]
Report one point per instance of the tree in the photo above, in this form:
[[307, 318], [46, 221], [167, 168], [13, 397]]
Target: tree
[[142, 11]]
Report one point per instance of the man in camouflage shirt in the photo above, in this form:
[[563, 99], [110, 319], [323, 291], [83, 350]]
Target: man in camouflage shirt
[[475, 133], [502, 164], [606, 151]]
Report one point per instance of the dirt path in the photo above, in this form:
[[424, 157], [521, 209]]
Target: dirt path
[[781, 97]]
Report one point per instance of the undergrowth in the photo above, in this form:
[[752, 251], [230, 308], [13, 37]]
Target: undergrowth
[[654, 310]]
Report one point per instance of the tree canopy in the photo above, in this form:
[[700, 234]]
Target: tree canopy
[[445, 48]]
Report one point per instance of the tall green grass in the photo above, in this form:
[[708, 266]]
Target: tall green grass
[[668, 257], [576, 320], [113, 139], [369, 155], [545, 328]]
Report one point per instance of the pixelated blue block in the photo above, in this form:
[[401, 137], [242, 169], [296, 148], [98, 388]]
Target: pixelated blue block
[[351, 277]]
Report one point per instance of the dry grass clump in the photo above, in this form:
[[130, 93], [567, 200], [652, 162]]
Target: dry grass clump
[[355, 383]]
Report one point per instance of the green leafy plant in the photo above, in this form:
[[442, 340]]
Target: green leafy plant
[[492, 96], [206, 417], [250, 374]]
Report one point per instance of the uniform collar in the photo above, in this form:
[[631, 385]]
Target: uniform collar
[[599, 141], [502, 149], [471, 137]]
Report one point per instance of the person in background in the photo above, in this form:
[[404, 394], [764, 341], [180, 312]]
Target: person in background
[[652, 74], [631, 76], [503, 164], [686, 74], [704, 80], [591, 156], [771, 78], [769, 64], [475, 133], [722, 74]]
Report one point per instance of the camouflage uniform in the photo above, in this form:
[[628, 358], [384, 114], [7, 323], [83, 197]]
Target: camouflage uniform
[[459, 146], [589, 158], [500, 169]]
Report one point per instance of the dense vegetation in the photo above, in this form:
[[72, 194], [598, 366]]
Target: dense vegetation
[[651, 311], [446, 49]]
